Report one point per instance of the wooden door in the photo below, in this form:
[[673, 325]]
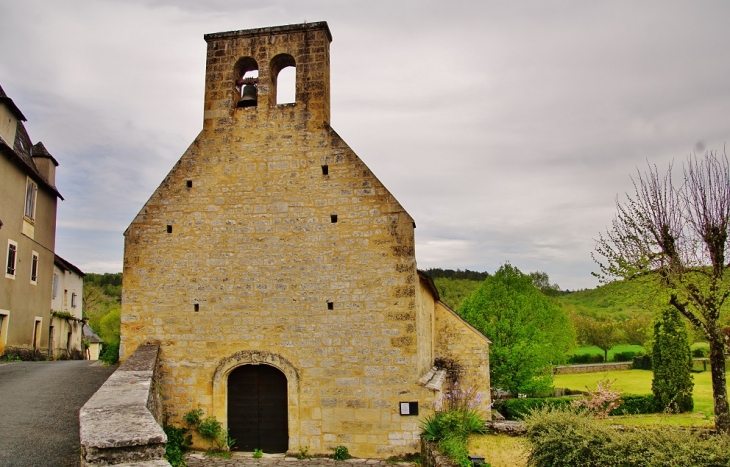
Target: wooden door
[[257, 409]]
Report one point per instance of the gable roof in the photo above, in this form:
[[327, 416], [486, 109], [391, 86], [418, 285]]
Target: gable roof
[[428, 281], [66, 266], [91, 336], [4, 99], [22, 149]]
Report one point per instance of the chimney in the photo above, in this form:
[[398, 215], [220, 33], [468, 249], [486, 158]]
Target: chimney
[[45, 163]]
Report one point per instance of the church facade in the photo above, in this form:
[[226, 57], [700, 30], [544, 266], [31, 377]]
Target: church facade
[[279, 276]]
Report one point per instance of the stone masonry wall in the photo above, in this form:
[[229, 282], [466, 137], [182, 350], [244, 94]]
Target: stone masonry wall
[[236, 259], [463, 350]]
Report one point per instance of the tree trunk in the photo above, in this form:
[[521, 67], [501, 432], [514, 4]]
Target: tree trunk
[[605, 356], [719, 385]]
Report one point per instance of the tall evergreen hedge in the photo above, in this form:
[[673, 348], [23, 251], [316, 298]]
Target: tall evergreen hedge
[[672, 364]]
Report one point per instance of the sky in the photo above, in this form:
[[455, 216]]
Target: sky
[[507, 129]]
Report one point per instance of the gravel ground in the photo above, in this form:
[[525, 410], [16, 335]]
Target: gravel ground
[[274, 460], [39, 410]]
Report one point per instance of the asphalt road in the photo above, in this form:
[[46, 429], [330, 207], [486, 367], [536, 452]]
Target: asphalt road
[[39, 410]]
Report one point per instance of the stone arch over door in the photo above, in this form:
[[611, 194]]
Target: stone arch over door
[[249, 357]]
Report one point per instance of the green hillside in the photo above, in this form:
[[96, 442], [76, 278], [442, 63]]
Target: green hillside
[[618, 300], [454, 291]]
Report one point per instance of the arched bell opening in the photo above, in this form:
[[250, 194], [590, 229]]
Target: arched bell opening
[[246, 81], [284, 78]]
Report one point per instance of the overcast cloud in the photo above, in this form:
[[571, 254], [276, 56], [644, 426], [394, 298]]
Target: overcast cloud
[[506, 129]]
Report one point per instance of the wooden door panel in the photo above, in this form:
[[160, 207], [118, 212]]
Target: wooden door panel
[[258, 409]]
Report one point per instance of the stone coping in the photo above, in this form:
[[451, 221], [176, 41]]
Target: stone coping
[[118, 416], [592, 367]]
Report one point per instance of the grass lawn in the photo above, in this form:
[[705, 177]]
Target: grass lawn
[[500, 450], [639, 382]]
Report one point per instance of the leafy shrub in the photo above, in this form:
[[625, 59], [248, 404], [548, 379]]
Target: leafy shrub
[[110, 353], [601, 401], [178, 440], [341, 453], [258, 453], [457, 415], [572, 439], [585, 358], [624, 356], [517, 409], [211, 430], [635, 405], [455, 446], [193, 417], [701, 352], [641, 362]]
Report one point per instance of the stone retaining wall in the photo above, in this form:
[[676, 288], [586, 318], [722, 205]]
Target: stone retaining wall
[[432, 457], [592, 368], [121, 423]]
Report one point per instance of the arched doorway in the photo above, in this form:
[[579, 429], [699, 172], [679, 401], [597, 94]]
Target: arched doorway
[[258, 409]]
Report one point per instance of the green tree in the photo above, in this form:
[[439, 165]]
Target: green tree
[[672, 362], [528, 330], [110, 326], [680, 236], [636, 330], [454, 291], [541, 280], [604, 334]]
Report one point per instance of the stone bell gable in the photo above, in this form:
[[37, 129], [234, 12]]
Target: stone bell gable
[[270, 245]]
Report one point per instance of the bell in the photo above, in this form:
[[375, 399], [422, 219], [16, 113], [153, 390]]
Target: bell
[[249, 97]]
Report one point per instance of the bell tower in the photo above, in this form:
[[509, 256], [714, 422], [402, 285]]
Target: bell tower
[[242, 68]]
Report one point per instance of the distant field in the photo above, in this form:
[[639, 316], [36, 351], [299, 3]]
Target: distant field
[[639, 382]]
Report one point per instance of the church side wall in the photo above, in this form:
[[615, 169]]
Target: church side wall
[[464, 350]]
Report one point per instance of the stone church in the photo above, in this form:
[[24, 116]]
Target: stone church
[[279, 276]]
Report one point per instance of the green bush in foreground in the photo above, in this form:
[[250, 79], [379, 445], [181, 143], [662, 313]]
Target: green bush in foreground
[[178, 441], [110, 353], [569, 438], [457, 415]]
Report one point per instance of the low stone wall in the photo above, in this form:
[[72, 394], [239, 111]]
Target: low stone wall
[[591, 368], [432, 457], [120, 424]]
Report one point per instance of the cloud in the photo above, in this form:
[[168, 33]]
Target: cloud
[[506, 129]]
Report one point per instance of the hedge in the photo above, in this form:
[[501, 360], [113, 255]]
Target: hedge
[[572, 439], [517, 409], [642, 362]]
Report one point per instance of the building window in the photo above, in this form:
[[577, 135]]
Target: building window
[[11, 259], [31, 190], [73, 299], [54, 292], [34, 269]]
